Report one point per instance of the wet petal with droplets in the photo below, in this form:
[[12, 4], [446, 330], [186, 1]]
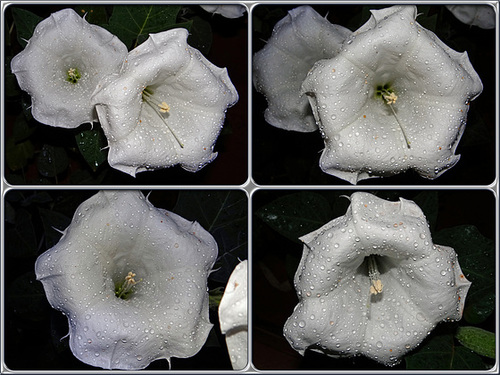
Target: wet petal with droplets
[[298, 41], [166, 107], [372, 282], [118, 239], [395, 98], [61, 66]]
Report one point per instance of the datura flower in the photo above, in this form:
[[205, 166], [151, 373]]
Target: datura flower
[[372, 282], [395, 98], [227, 10], [165, 107], [132, 281], [61, 66], [480, 15], [233, 313], [297, 42]]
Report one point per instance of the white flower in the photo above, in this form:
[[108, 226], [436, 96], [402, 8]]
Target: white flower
[[395, 98], [165, 107], [297, 42], [132, 281], [372, 282], [481, 15], [228, 10], [61, 66], [233, 312]]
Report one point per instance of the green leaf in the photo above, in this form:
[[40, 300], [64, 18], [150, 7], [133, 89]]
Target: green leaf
[[224, 215], [478, 340], [477, 260], [25, 24], [91, 144], [132, 24], [296, 214], [441, 353], [52, 160], [18, 154]]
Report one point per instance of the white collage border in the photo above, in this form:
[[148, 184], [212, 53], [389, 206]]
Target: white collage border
[[250, 187]]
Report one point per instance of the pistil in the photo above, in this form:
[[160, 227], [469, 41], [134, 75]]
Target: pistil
[[376, 285], [390, 98], [159, 108]]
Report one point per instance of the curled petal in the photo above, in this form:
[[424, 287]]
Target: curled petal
[[166, 107], [372, 282], [395, 98], [298, 41], [233, 313], [61, 66], [132, 281]]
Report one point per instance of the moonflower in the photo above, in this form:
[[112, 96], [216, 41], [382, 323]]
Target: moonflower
[[165, 107], [227, 10], [233, 313], [481, 15], [132, 281], [297, 42], [395, 98], [372, 282], [61, 66]]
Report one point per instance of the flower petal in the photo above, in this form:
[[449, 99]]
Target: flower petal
[[340, 313], [364, 136], [298, 41], [196, 92], [59, 43], [233, 313], [113, 233]]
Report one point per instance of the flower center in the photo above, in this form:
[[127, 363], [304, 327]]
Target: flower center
[[124, 290], [161, 108], [376, 285], [386, 93], [73, 75]]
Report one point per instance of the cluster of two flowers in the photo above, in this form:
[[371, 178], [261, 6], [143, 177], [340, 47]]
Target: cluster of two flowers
[[161, 104], [388, 97]]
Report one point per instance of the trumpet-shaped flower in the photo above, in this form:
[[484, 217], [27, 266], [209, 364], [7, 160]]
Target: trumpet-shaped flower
[[132, 281], [297, 42], [372, 282], [165, 107], [233, 313], [61, 66], [226, 10], [480, 15], [395, 98]]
